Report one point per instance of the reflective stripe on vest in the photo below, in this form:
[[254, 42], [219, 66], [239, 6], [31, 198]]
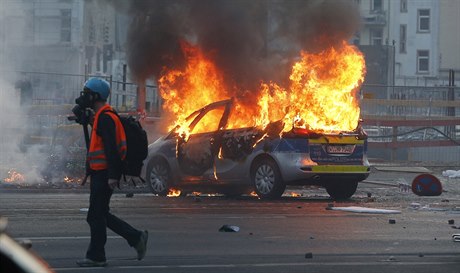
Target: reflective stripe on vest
[[96, 155]]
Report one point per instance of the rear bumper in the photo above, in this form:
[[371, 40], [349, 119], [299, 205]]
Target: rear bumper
[[299, 169]]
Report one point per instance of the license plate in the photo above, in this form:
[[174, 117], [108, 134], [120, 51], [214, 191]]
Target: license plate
[[340, 149]]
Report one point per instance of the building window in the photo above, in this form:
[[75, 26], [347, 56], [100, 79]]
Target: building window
[[423, 20], [356, 39], [403, 6], [377, 5], [66, 23], [376, 36], [423, 61], [402, 38]]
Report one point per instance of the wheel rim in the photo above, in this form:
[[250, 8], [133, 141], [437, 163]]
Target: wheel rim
[[265, 179], [158, 177]]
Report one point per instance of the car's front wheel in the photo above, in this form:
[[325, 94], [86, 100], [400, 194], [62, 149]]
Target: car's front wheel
[[266, 179], [158, 176], [340, 190]]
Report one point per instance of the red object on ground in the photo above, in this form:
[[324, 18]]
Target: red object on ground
[[426, 185]]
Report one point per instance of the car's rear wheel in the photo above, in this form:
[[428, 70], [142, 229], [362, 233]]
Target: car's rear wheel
[[158, 176], [340, 190], [266, 179]]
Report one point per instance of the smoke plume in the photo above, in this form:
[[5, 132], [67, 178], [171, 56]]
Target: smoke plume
[[22, 160], [249, 40]]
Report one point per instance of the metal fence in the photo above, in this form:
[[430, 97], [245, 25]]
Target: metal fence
[[54, 94], [60, 88], [412, 122]]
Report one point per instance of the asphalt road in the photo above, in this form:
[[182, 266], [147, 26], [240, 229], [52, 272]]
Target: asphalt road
[[274, 236]]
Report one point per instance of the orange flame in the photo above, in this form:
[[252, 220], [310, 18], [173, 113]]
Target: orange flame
[[322, 92], [68, 179], [14, 177], [173, 192], [253, 193], [321, 95], [295, 194]]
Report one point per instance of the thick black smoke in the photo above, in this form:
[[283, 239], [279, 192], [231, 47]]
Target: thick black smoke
[[249, 40]]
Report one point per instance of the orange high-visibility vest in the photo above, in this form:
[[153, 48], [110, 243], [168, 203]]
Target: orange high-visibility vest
[[96, 155]]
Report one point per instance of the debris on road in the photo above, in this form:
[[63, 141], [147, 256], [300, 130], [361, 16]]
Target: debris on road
[[451, 222], [309, 255], [418, 206], [456, 237], [26, 243], [426, 185], [391, 259], [229, 228], [392, 221], [403, 169], [451, 173], [402, 185], [365, 210], [129, 195]]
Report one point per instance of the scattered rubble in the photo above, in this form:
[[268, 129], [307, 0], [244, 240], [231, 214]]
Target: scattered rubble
[[402, 169], [229, 228], [364, 210], [451, 173], [392, 221], [309, 255], [26, 243]]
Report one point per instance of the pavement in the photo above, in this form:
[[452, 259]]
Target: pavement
[[293, 234]]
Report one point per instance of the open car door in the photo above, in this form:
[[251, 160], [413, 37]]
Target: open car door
[[196, 154]]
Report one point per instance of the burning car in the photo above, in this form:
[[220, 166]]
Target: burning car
[[237, 161]]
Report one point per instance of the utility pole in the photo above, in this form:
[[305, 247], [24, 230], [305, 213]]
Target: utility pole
[[450, 130]]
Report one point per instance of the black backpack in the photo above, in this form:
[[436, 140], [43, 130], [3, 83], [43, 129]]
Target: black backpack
[[137, 146]]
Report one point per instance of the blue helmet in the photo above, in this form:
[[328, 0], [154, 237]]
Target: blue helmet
[[99, 86]]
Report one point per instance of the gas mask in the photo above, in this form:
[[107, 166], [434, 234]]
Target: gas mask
[[82, 111]]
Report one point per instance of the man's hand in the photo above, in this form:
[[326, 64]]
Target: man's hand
[[113, 183]]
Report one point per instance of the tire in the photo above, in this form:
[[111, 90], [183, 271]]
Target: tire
[[266, 179], [158, 176], [341, 190]]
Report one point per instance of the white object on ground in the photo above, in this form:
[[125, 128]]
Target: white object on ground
[[366, 210], [456, 237], [402, 169], [451, 173]]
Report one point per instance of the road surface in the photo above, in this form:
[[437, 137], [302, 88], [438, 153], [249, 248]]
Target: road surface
[[294, 234]]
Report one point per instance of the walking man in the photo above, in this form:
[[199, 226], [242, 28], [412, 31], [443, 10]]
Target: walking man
[[107, 149]]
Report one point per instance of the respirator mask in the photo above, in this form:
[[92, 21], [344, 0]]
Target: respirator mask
[[82, 111]]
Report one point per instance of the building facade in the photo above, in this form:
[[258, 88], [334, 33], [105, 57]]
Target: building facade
[[411, 31], [449, 38], [42, 35]]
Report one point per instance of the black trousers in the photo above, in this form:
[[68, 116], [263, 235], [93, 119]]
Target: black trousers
[[99, 218]]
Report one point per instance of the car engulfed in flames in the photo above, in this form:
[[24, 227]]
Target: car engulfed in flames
[[306, 132], [237, 161]]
